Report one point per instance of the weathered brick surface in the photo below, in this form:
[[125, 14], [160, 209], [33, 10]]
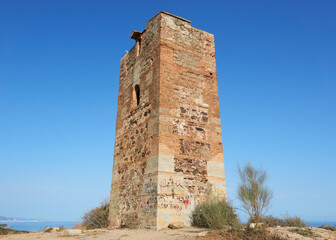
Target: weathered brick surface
[[168, 148]]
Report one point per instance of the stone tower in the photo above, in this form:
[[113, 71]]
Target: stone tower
[[168, 152]]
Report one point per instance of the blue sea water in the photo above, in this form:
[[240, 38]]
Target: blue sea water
[[319, 223], [37, 226]]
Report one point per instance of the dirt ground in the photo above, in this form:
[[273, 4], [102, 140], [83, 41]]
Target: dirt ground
[[165, 234], [317, 233], [124, 234]]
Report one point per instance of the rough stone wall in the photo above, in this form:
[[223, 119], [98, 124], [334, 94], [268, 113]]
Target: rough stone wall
[[137, 133], [191, 163], [168, 150]]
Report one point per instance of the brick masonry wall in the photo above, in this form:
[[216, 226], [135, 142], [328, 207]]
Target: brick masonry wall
[[168, 149]]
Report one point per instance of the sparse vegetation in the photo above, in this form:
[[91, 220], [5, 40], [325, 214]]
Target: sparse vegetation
[[242, 234], [294, 221], [216, 214], [78, 226], [253, 193], [47, 229], [271, 221], [328, 227], [3, 225], [4, 231], [61, 228], [286, 221], [307, 232], [97, 217]]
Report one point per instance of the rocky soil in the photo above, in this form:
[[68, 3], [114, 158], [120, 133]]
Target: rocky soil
[[176, 234], [303, 233], [124, 234]]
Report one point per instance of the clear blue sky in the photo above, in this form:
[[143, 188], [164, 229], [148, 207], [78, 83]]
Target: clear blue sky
[[59, 74]]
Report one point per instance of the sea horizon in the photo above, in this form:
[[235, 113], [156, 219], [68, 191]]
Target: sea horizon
[[41, 225]]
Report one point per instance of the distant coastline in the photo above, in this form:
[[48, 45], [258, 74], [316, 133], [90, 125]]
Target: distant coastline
[[15, 220], [38, 226]]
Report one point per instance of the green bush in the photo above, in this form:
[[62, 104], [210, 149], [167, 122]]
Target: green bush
[[97, 217], [253, 193], [215, 213]]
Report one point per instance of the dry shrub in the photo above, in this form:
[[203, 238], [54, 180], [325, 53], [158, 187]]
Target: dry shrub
[[260, 233], [78, 226], [215, 213], [271, 221], [61, 228], [246, 234], [294, 221], [286, 221], [97, 217], [4, 231], [307, 232], [326, 226], [48, 229]]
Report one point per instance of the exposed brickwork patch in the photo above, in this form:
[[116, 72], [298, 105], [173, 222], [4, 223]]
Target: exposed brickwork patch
[[189, 95], [194, 148], [194, 113], [191, 166], [182, 127]]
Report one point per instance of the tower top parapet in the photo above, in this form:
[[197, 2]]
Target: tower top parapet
[[172, 15], [137, 34]]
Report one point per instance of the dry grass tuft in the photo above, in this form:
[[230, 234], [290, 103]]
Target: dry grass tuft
[[328, 227], [48, 229], [307, 232], [286, 221], [79, 226], [244, 234], [10, 231]]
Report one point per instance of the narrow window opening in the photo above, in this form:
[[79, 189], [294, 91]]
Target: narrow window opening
[[137, 94], [139, 47]]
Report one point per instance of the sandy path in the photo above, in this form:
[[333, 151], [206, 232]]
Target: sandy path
[[165, 234], [124, 234]]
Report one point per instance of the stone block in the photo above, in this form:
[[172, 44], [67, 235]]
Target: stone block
[[72, 231]]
